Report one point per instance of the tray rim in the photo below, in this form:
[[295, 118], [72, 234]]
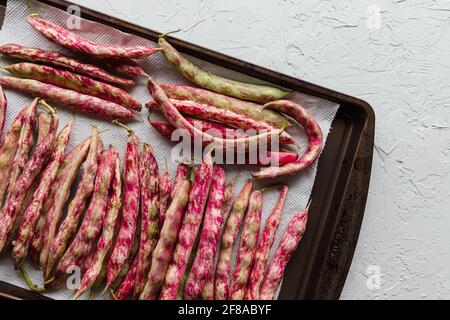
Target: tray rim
[[266, 74]]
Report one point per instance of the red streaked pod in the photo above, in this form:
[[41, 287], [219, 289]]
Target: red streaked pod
[[125, 66], [204, 260], [8, 151], [249, 109], [61, 196], [224, 116], [95, 267], [178, 121], [79, 83], [166, 129], [229, 196], [14, 204], [181, 174], [25, 144], [288, 244], [91, 227], [313, 132], [33, 211], [164, 195], [44, 121], [222, 282], [59, 60], [78, 204], [264, 246], [150, 212], [77, 43], [189, 228], [69, 98], [127, 286], [247, 249], [38, 236], [166, 243], [127, 229], [3, 107]]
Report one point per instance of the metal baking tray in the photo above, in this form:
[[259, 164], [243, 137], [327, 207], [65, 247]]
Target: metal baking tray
[[319, 267]]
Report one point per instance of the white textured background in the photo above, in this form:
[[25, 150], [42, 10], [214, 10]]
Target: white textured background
[[401, 68]]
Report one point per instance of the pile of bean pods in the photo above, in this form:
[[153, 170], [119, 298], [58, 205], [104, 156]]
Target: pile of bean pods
[[137, 232]]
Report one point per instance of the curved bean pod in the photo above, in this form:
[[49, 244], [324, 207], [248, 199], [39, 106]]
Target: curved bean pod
[[189, 229], [33, 211], [62, 193], [90, 229], [208, 112], [128, 225], [68, 80], [177, 120], [14, 203], [313, 132], [57, 59], [95, 267], [3, 107], [79, 44], [207, 80], [264, 246], [288, 244], [208, 288], [78, 204], [69, 98], [8, 151], [128, 284], [229, 236], [203, 264], [164, 195], [249, 109], [125, 66], [180, 175], [164, 248], [150, 211]]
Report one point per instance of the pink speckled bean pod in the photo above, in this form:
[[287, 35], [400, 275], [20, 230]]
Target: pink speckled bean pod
[[8, 151], [57, 59], [164, 195], [91, 227], [229, 196], [38, 237], [127, 230], [210, 81], [166, 129], [313, 132], [165, 247], [247, 249], [189, 229], [125, 66], [127, 286], [78, 204], [14, 204], [69, 98], [25, 144], [94, 268], [229, 236], [288, 244], [264, 246], [203, 264], [181, 174], [177, 120], [249, 109], [33, 211], [79, 44], [68, 80], [3, 107], [150, 211], [224, 116], [281, 158], [61, 196], [44, 123]]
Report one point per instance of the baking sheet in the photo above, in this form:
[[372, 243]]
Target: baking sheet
[[16, 30]]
